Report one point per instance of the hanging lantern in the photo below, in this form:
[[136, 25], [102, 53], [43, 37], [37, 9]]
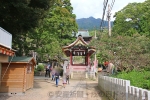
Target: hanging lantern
[[1, 50], [10, 54], [81, 53], [4, 52], [74, 52], [7, 53]]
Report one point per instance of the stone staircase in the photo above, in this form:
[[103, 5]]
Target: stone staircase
[[79, 68], [78, 75]]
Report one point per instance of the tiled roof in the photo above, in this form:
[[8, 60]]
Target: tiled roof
[[83, 33], [20, 59]]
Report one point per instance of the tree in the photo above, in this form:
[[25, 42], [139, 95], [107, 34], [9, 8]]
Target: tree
[[20, 16], [55, 30], [61, 19], [145, 20], [127, 20]]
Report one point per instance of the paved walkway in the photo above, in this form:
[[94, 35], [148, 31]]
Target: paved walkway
[[45, 89]]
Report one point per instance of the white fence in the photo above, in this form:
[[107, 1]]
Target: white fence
[[119, 89]]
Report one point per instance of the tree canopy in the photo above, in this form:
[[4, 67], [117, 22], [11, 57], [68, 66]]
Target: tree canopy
[[38, 25], [133, 19]]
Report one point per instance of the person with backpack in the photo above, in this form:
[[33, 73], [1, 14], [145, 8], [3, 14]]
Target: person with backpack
[[47, 70]]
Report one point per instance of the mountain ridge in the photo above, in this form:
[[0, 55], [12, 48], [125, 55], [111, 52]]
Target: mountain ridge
[[91, 23]]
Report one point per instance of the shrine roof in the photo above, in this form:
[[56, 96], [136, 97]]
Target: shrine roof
[[83, 33], [79, 40], [78, 45]]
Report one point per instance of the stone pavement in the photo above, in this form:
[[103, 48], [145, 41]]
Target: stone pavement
[[45, 89]]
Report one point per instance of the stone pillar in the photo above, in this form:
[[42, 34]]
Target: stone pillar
[[71, 74]]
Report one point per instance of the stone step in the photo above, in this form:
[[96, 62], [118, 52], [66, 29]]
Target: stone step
[[78, 74]]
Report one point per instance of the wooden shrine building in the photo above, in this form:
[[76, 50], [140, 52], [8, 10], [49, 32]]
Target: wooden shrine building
[[79, 47]]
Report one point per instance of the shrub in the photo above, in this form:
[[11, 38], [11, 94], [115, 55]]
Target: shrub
[[137, 78], [35, 71], [40, 68]]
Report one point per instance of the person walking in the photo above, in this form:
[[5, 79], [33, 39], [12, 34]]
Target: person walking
[[57, 78], [53, 74], [67, 75], [64, 81], [47, 70]]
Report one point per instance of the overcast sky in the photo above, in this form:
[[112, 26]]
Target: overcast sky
[[94, 8]]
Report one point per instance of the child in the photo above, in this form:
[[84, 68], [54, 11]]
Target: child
[[64, 81], [67, 78], [57, 78], [53, 74], [67, 75]]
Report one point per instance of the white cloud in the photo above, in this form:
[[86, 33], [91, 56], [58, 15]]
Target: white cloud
[[88, 8]]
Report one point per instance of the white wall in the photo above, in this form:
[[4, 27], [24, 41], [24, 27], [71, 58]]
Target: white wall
[[5, 38]]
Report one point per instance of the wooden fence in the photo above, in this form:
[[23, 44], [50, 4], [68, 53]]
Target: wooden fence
[[119, 89]]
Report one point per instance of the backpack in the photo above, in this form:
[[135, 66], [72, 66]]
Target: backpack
[[57, 75], [67, 76]]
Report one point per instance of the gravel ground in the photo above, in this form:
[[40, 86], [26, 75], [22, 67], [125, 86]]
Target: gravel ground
[[45, 89]]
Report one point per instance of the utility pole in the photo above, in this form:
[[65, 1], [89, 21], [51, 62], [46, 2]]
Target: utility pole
[[109, 23]]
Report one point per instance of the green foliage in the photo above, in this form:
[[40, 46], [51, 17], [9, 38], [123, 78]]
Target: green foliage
[[126, 22], [26, 15], [137, 78], [40, 67], [133, 19], [55, 31], [40, 26], [125, 52], [35, 71]]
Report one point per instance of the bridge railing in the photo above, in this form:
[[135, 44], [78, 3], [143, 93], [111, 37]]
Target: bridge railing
[[119, 89]]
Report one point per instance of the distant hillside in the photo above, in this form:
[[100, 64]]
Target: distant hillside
[[91, 23]]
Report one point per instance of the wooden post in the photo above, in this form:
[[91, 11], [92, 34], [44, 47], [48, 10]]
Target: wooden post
[[71, 57], [95, 35], [109, 23]]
